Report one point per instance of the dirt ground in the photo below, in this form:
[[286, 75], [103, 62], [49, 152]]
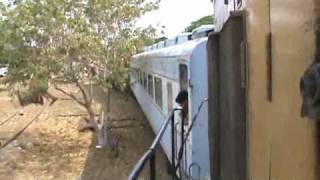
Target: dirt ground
[[53, 148]]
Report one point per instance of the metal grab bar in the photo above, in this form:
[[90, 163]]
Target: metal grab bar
[[150, 153], [184, 140]]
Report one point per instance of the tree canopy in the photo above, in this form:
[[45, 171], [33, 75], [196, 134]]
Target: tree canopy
[[77, 41], [202, 21], [55, 39]]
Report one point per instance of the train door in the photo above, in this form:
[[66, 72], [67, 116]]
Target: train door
[[183, 86], [227, 101]]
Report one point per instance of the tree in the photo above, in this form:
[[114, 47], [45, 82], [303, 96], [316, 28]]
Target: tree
[[84, 42], [202, 21]]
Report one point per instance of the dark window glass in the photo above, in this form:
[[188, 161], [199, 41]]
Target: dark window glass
[[183, 69], [141, 78], [158, 91], [150, 85], [145, 83]]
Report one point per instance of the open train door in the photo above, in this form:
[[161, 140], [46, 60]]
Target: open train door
[[227, 100]]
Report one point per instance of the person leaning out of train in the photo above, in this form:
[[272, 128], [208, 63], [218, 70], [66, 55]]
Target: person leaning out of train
[[182, 100]]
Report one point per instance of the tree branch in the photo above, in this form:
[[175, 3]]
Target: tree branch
[[83, 92], [70, 95]]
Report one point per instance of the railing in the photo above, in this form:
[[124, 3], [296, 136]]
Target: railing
[[150, 154], [184, 137]]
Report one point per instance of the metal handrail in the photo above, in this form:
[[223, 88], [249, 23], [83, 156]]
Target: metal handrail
[[185, 137], [150, 153]]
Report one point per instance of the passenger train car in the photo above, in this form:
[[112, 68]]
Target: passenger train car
[[157, 76], [254, 67]]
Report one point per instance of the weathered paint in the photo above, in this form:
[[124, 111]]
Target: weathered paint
[[227, 100], [282, 145]]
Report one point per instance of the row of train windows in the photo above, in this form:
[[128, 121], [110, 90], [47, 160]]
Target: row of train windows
[[153, 85]]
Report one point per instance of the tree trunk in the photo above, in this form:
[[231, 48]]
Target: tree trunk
[[91, 123], [105, 137], [102, 128], [99, 125]]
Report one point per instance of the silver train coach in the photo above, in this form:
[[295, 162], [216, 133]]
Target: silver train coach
[[157, 76]]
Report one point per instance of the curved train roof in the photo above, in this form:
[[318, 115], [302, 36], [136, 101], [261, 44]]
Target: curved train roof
[[181, 50]]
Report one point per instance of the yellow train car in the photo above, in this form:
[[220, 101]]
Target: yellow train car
[[257, 60]]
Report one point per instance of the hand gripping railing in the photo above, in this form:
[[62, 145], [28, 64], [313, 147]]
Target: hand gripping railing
[[150, 155]]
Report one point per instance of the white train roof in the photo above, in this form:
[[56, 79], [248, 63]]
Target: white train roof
[[181, 50]]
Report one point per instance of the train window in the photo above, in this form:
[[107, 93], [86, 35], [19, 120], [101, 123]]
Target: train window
[[183, 70], [190, 37], [140, 78], [138, 75], [150, 85], [158, 91], [145, 80], [169, 100], [134, 73]]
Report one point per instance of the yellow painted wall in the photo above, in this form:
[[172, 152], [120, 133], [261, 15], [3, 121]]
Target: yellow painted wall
[[281, 144]]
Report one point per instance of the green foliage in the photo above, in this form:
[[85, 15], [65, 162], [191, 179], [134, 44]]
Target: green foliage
[[202, 21], [50, 40], [147, 36]]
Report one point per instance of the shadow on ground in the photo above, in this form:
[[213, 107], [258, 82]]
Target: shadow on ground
[[135, 139]]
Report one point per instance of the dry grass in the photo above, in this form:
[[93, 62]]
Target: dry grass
[[52, 148]]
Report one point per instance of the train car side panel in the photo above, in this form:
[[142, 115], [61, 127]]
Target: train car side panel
[[199, 92]]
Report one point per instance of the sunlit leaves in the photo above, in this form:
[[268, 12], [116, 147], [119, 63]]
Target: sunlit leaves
[[59, 39]]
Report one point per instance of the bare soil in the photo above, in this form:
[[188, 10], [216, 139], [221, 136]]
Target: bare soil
[[53, 148]]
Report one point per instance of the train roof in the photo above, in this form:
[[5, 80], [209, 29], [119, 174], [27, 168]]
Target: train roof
[[181, 50]]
